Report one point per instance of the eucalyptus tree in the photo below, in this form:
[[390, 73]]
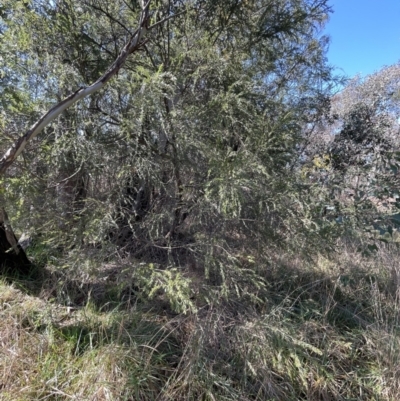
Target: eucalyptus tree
[[191, 145], [356, 149], [22, 31]]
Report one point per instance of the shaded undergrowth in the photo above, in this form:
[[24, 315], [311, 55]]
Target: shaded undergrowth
[[321, 331]]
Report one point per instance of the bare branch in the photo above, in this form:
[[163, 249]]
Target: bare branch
[[165, 20], [110, 17]]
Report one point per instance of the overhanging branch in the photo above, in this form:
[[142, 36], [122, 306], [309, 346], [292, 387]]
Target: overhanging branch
[[136, 42]]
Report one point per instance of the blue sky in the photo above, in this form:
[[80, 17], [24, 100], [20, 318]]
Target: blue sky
[[365, 35]]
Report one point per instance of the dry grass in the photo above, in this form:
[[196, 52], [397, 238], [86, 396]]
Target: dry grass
[[328, 331]]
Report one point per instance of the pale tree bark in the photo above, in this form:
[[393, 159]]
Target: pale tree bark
[[135, 43], [11, 254]]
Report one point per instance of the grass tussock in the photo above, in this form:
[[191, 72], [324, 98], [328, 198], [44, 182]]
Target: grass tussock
[[322, 331]]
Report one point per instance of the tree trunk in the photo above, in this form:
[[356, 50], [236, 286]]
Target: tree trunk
[[13, 259], [12, 256]]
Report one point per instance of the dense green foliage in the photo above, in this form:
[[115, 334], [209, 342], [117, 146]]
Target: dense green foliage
[[212, 172], [195, 142]]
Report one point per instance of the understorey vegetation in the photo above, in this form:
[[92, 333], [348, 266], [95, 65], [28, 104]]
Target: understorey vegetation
[[193, 206]]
